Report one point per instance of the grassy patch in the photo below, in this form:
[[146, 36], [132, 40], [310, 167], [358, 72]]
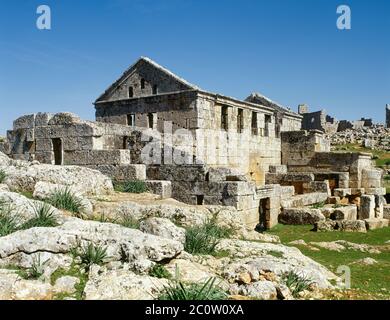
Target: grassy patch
[[381, 158], [27, 194], [131, 186], [367, 281], [159, 271], [318, 205], [73, 271], [66, 200], [9, 219], [178, 290], [3, 175], [44, 217], [128, 221], [204, 239]]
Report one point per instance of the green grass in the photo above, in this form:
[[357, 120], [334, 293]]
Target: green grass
[[128, 221], [204, 239], [27, 194], [131, 186], [73, 271], [89, 254], [9, 219], [368, 281], [64, 199], [296, 283], [44, 217], [178, 290], [3, 175], [381, 158], [318, 205], [159, 271]]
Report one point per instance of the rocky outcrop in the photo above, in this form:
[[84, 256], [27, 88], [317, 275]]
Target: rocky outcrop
[[23, 176]]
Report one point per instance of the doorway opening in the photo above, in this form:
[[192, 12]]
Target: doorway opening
[[58, 151], [263, 215], [199, 200]]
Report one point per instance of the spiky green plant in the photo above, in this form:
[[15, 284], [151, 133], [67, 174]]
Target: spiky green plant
[[44, 217], [178, 290], [9, 219], [128, 221], [131, 186], [90, 254], [66, 200], [37, 268], [204, 239], [3, 175], [296, 283], [318, 205]]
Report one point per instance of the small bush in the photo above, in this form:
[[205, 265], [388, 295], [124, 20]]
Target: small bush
[[44, 217], [90, 254], [387, 177], [9, 220], [387, 162], [296, 283], [3, 175], [204, 239], [131, 186], [159, 271], [66, 200], [178, 290]]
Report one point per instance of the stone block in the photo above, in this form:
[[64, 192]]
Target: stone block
[[306, 199], [357, 191], [161, 188], [225, 174], [43, 145], [344, 213], [372, 224], [386, 212], [131, 172], [301, 216], [278, 169], [372, 178], [367, 207], [24, 122], [42, 119], [376, 191], [287, 191]]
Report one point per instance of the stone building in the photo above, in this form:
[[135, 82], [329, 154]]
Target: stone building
[[318, 120], [199, 147], [387, 115]]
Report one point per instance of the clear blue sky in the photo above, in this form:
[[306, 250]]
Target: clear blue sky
[[291, 51]]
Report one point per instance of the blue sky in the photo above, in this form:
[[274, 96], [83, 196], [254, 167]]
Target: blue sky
[[289, 50]]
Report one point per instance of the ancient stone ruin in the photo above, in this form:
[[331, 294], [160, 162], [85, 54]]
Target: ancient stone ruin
[[203, 148]]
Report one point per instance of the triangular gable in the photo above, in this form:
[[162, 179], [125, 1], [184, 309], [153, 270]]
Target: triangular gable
[[153, 74]]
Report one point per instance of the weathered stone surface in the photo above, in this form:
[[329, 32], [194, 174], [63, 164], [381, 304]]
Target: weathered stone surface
[[66, 284], [386, 212], [374, 223], [121, 242], [23, 176], [163, 228], [13, 287], [367, 207], [341, 225], [341, 193], [344, 213], [121, 285], [301, 200], [300, 216], [262, 290], [162, 188], [276, 258], [189, 271]]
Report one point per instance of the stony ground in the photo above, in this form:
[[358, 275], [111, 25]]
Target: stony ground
[[367, 255]]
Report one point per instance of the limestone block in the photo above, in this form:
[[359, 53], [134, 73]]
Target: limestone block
[[225, 174], [30, 135], [278, 169], [161, 188], [372, 178], [287, 191], [42, 119], [44, 157], [372, 224], [43, 145], [301, 216], [345, 213], [342, 192], [342, 225], [306, 199], [357, 191], [380, 201], [367, 207], [113, 157], [376, 191], [24, 122], [130, 172]]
